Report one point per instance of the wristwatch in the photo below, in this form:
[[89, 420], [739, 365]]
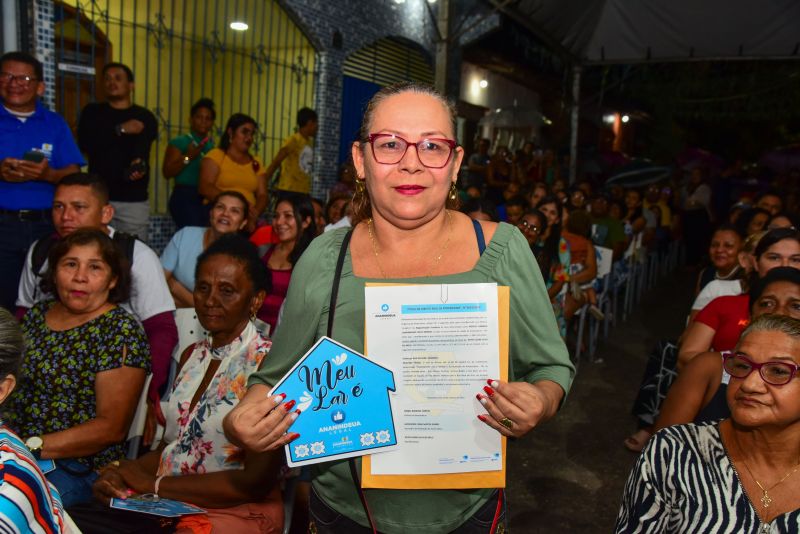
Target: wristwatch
[[186, 160], [34, 444]]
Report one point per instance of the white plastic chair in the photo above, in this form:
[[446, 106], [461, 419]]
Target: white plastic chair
[[136, 429]]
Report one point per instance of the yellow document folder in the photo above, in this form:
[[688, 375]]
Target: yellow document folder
[[483, 479]]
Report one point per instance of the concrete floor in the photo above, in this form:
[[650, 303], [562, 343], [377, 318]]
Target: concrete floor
[[568, 475]]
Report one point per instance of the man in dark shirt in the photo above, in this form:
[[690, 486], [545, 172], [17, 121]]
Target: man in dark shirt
[[116, 136]]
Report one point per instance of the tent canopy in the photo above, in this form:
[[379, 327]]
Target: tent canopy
[[624, 31]]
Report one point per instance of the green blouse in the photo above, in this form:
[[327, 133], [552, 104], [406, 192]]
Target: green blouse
[[536, 352]]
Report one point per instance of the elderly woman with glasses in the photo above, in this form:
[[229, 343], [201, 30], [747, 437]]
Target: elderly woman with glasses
[[406, 230], [737, 475]]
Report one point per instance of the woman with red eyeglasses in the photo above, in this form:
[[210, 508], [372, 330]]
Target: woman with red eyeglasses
[[231, 167], [406, 228], [735, 475], [698, 394]]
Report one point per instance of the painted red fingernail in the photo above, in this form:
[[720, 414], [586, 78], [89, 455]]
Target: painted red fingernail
[[489, 391], [289, 405], [482, 418], [294, 436], [479, 396], [489, 381]]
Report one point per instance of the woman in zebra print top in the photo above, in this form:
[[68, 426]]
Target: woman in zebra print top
[[737, 475]]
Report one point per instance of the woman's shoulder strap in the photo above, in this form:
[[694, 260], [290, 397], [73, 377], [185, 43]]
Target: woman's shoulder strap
[[479, 236]]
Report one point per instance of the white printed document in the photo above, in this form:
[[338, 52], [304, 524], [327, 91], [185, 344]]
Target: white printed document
[[442, 340]]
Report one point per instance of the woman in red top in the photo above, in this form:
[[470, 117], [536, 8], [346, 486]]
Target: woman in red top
[[719, 324], [293, 225]]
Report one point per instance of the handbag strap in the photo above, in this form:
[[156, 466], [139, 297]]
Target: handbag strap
[[331, 312], [337, 275]]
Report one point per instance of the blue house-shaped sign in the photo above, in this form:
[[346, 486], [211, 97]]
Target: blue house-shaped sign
[[345, 404]]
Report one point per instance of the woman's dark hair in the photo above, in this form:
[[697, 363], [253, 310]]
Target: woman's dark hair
[[479, 204], [12, 344], [773, 236], [728, 227], [236, 121], [550, 247], [303, 209], [331, 201], [206, 103], [746, 216], [778, 274], [240, 249], [233, 194], [109, 251], [579, 223], [793, 219]]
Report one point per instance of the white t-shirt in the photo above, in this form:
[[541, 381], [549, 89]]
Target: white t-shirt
[[149, 291], [714, 289]]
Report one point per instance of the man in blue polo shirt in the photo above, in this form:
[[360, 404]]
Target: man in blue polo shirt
[[36, 150]]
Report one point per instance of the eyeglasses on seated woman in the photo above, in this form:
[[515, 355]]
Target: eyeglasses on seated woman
[[735, 475]]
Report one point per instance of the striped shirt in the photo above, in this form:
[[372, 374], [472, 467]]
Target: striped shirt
[[28, 502], [684, 482]]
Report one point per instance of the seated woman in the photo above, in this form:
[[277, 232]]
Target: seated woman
[[733, 286], [556, 258], [726, 243], [698, 394], [195, 463], [84, 366], [229, 212], [293, 225], [583, 265], [28, 503], [719, 324], [737, 475], [231, 167]]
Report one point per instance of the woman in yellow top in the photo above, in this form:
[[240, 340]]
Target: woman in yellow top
[[231, 167]]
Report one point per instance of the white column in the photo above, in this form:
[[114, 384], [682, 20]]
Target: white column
[[573, 136], [10, 26]]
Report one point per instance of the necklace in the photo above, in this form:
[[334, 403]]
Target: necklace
[[436, 259], [766, 500]]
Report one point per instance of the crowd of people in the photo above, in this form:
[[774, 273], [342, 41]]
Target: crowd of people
[[97, 308]]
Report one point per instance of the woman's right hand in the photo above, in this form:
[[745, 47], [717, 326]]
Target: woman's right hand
[[109, 485], [259, 423]]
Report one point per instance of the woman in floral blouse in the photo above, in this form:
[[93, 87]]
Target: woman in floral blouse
[[195, 463], [84, 366]]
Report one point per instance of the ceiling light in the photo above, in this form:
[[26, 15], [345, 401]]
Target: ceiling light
[[399, 1], [239, 26], [484, 84], [431, 1], [609, 118], [625, 118]]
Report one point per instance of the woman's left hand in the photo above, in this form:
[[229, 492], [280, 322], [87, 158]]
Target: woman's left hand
[[136, 477], [515, 408]]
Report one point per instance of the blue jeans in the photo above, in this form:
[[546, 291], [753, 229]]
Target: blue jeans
[[16, 237], [326, 520], [186, 207], [69, 479]]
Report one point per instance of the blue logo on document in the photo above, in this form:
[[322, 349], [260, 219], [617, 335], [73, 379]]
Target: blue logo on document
[[344, 402], [384, 308]]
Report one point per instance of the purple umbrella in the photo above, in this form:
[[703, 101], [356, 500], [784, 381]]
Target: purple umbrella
[[782, 159]]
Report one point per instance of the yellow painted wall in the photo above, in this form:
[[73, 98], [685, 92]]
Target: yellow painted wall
[[171, 77]]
